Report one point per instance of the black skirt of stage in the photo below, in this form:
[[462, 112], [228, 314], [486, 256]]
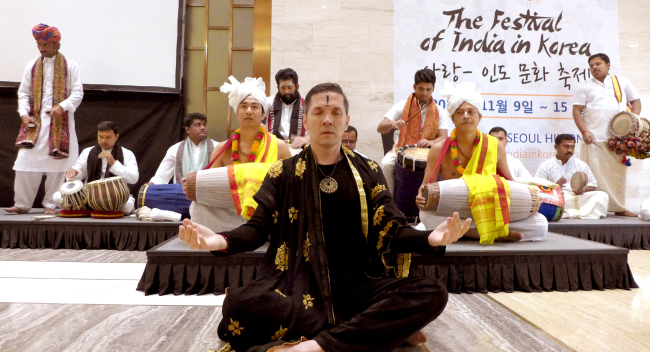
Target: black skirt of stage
[[621, 231], [125, 234], [559, 263]]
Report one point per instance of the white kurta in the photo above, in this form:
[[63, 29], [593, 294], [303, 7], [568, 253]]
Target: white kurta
[[516, 168], [167, 167], [285, 119], [37, 158], [589, 205], [128, 170]]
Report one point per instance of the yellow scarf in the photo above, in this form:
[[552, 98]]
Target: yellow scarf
[[489, 194], [246, 179]]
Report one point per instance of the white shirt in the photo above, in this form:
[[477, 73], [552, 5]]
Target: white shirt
[[285, 119], [553, 170], [37, 158], [601, 105], [516, 168], [167, 167], [395, 113], [129, 170]]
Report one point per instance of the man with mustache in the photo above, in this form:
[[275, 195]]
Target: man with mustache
[[48, 96], [335, 275], [285, 111], [597, 100], [584, 203]]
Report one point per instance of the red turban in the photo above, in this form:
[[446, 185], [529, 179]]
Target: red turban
[[46, 33]]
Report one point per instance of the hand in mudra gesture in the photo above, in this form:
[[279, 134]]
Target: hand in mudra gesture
[[200, 237], [449, 231]]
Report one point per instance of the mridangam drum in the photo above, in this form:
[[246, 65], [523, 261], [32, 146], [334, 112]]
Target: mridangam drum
[[409, 172], [165, 197], [73, 196], [625, 124], [108, 194], [446, 197]]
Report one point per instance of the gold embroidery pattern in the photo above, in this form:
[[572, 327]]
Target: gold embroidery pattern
[[383, 233], [348, 152], [293, 214], [378, 189], [373, 165], [227, 290], [279, 334], [307, 301], [300, 168], [275, 217], [235, 328], [276, 169], [282, 257], [281, 294], [305, 247], [226, 348], [379, 216]]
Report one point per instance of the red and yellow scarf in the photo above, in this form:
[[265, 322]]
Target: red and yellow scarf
[[412, 133]]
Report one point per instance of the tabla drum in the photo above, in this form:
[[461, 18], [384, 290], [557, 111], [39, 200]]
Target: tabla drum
[[446, 197], [108, 194], [552, 201], [625, 124], [165, 197], [579, 181], [73, 196], [409, 172]]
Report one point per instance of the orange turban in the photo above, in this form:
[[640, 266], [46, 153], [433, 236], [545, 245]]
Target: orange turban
[[46, 33]]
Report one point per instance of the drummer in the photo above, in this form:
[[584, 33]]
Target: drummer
[[590, 204], [517, 169], [595, 103], [189, 155], [464, 105], [418, 121], [106, 159]]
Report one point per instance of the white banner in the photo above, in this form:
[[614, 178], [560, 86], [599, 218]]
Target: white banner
[[527, 57]]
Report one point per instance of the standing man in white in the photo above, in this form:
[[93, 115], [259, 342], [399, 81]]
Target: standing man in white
[[48, 96], [596, 102], [517, 169]]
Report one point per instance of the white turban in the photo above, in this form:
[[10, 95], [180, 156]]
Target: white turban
[[239, 91], [464, 92]]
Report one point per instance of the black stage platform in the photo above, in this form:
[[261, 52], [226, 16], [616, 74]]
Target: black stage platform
[[559, 263], [621, 231], [126, 234]]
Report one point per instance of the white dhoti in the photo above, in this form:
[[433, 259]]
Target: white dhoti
[[26, 186], [589, 205], [388, 169], [533, 228], [609, 171], [214, 207], [645, 210]]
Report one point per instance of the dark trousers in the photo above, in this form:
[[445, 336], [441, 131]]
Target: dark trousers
[[379, 315]]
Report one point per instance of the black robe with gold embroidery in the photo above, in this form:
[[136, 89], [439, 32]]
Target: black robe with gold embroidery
[[292, 298]]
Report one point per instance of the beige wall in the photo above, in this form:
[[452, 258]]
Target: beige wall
[[351, 43]]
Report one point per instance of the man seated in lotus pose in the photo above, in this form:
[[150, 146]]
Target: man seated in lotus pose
[[472, 156], [584, 203], [335, 276]]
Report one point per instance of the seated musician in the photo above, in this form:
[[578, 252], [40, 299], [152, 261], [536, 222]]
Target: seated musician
[[349, 140], [418, 121], [475, 157], [587, 203], [106, 159], [335, 275], [517, 169], [189, 155]]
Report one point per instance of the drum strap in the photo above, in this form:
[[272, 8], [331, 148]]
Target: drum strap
[[443, 152], [225, 146]]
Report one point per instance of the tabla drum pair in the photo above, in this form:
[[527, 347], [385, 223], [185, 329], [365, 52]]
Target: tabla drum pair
[[628, 124], [107, 197], [74, 200], [165, 197], [410, 166]]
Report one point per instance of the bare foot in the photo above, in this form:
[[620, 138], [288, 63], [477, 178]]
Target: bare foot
[[513, 236], [417, 338], [50, 211], [620, 213], [15, 210], [307, 346]]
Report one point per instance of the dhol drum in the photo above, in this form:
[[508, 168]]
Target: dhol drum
[[165, 197], [108, 195], [579, 181], [625, 124], [74, 196], [409, 172], [644, 128], [446, 197], [552, 201]]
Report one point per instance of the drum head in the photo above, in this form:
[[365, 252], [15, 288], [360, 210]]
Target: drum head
[[645, 125], [579, 180], [417, 153], [114, 178], [624, 123], [71, 187]]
